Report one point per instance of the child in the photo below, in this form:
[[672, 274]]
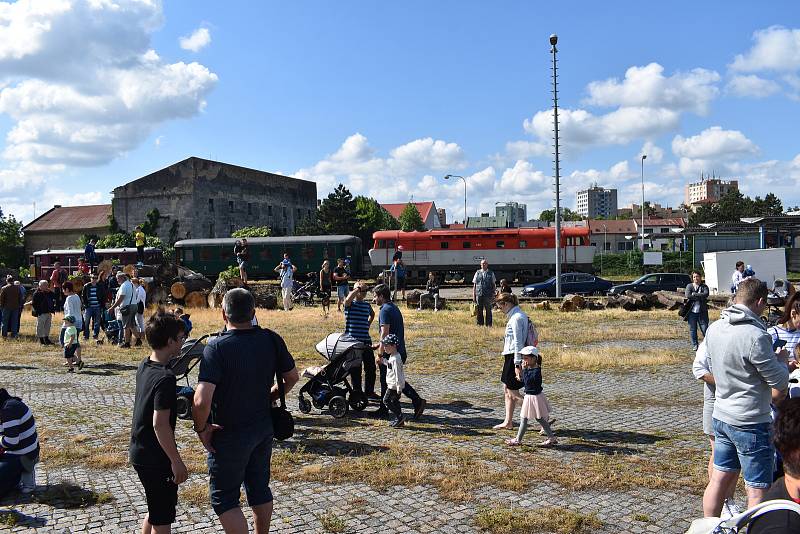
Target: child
[[185, 318], [395, 379], [72, 348], [153, 452], [535, 404]]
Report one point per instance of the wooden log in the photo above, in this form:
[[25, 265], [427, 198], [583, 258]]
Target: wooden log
[[196, 299], [178, 290], [542, 305], [567, 306], [215, 299], [577, 301]]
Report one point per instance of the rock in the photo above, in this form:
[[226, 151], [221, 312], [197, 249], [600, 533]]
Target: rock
[[426, 301], [412, 298], [545, 305], [567, 306]]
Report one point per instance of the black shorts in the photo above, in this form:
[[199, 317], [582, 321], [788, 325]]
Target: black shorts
[[160, 492], [509, 376], [401, 282], [69, 352]]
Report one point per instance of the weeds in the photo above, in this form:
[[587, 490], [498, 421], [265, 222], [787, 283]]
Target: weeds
[[499, 519], [331, 522]]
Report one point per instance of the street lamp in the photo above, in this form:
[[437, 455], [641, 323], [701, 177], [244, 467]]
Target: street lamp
[[644, 157], [630, 251], [447, 177], [602, 252]]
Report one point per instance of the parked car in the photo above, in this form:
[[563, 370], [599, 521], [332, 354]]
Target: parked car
[[650, 283], [583, 283]]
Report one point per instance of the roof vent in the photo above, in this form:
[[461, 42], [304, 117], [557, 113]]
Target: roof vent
[[56, 205]]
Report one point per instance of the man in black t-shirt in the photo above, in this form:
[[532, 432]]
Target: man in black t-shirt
[[340, 278], [236, 375], [153, 452], [787, 442]]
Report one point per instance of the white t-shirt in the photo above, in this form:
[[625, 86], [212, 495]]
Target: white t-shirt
[[126, 290], [72, 306], [141, 295], [287, 275]]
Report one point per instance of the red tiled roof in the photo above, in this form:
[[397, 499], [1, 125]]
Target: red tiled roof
[[71, 218], [424, 208], [617, 226]]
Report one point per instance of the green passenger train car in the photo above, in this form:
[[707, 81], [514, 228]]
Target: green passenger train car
[[212, 256]]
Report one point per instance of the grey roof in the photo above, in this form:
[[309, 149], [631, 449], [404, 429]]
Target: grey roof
[[97, 250], [290, 240]]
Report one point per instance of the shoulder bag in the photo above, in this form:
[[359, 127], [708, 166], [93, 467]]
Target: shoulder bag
[[125, 310], [282, 420], [685, 308]]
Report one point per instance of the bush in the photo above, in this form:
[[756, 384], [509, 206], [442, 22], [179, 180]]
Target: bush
[[230, 272], [630, 263], [252, 231]]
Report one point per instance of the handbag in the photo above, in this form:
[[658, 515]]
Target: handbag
[[282, 420], [126, 310], [685, 308], [473, 308]]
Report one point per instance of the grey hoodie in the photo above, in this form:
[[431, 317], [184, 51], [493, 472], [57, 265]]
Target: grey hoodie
[[745, 367]]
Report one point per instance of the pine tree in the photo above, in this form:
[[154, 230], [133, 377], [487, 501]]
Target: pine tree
[[411, 220], [337, 214]]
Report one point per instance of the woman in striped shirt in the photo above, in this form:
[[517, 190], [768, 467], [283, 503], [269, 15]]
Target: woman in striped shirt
[[358, 316], [19, 445], [788, 329]]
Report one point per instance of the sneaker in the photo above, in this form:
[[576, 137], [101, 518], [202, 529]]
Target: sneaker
[[80, 365], [138, 342], [397, 423], [125, 346], [419, 408], [729, 509], [549, 442]]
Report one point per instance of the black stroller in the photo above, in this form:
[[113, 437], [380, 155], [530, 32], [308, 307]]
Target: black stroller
[[776, 300], [304, 293], [329, 385], [182, 365]]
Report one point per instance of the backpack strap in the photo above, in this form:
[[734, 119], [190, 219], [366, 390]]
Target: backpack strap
[[746, 517]]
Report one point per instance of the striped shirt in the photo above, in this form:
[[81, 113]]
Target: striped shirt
[[17, 428], [792, 338], [93, 301], [356, 320]]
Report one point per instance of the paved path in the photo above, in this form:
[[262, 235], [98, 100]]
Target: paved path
[[634, 418]]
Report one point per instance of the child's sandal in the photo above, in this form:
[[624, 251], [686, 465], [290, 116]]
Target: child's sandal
[[513, 442]]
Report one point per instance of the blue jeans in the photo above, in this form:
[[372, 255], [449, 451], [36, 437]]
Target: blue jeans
[[694, 321], [10, 318], [243, 457], [745, 448], [95, 313], [10, 472]]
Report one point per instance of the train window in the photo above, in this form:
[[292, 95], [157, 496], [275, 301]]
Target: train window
[[233, 228], [188, 254], [381, 243], [230, 205], [500, 244], [444, 244], [523, 243], [249, 208], [225, 253], [206, 253], [211, 204], [390, 244], [466, 244], [264, 253], [284, 212], [269, 210], [348, 251], [211, 231], [307, 252]]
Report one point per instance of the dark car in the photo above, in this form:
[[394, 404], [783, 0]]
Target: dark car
[[650, 283], [583, 283]]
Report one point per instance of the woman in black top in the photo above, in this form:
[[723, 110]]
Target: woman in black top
[[697, 297], [325, 286]]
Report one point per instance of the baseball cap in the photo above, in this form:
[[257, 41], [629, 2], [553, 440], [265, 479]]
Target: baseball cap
[[69, 319], [390, 339], [529, 351]]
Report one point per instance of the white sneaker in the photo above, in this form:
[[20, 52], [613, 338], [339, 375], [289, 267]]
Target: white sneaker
[[729, 509]]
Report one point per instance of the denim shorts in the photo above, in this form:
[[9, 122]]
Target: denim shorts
[[342, 291], [242, 457], [746, 448]]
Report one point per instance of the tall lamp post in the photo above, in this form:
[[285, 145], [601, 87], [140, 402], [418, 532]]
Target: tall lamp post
[[644, 157], [602, 252], [447, 177], [553, 50]]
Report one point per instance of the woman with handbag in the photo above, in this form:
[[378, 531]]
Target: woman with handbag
[[696, 307]]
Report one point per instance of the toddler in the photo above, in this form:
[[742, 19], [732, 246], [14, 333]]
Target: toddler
[[535, 405], [72, 348], [395, 379]]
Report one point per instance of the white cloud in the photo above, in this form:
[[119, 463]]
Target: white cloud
[[752, 85], [527, 149], [522, 178], [199, 39], [437, 155], [647, 87], [775, 49], [85, 87], [654, 153], [713, 143]]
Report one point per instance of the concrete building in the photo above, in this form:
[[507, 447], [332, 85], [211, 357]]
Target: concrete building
[[200, 198], [708, 191], [661, 234], [597, 202], [61, 227], [655, 210], [427, 210], [514, 213], [487, 221], [612, 234], [441, 213]]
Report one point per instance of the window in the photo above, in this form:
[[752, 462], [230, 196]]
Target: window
[[307, 253], [225, 253], [233, 228], [500, 244], [299, 213], [249, 208], [284, 213], [206, 253], [230, 205], [466, 244], [620, 245], [264, 253], [269, 210], [664, 230], [523, 243], [444, 244], [188, 254], [211, 205], [211, 230], [390, 244], [608, 246]]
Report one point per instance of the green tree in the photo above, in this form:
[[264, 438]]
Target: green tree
[[371, 217], [411, 220], [769, 205], [337, 213], [309, 226], [116, 240], [150, 226], [566, 215], [11, 242], [252, 231]]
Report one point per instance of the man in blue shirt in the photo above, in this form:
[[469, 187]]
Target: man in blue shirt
[[390, 321], [236, 374]]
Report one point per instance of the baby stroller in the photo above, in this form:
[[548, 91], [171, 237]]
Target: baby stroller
[[329, 385], [112, 327], [182, 365], [776, 300], [303, 293]]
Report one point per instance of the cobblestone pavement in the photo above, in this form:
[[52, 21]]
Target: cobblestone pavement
[[642, 413]]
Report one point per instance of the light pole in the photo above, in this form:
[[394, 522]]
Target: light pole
[[628, 238], [602, 252], [553, 50], [447, 177], [644, 157]]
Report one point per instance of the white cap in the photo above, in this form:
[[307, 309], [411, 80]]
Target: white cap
[[529, 351]]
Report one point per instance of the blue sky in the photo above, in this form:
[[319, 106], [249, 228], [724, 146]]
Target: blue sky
[[389, 97]]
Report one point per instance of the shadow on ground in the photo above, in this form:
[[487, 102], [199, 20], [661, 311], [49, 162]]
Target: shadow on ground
[[13, 518], [610, 436]]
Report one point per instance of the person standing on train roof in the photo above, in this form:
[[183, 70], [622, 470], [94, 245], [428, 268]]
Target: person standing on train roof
[[140, 240], [90, 254]]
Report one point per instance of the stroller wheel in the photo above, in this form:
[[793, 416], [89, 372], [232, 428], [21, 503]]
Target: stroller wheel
[[338, 407], [184, 407], [304, 404], [358, 402]]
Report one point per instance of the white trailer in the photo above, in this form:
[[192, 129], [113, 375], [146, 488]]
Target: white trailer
[[769, 265]]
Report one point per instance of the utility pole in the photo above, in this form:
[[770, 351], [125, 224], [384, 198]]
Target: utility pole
[[553, 50]]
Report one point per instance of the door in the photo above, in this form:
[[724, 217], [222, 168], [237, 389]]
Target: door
[[568, 284], [651, 283]]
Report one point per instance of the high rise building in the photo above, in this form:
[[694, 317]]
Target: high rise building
[[597, 202], [708, 191]]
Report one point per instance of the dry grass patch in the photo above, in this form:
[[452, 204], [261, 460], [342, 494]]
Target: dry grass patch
[[500, 519], [331, 522], [194, 493]]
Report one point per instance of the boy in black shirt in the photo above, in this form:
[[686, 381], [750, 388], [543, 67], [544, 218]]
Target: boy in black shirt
[[153, 452]]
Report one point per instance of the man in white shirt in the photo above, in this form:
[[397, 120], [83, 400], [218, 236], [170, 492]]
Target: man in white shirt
[[126, 301], [286, 273]]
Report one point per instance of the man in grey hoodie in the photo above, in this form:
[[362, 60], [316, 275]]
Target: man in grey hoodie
[[748, 375]]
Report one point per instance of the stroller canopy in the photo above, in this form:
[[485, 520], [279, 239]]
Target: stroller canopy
[[337, 344], [191, 350]]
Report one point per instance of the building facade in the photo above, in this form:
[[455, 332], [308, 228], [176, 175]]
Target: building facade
[[708, 191], [200, 198], [655, 210], [661, 234], [62, 226], [487, 221], [614, 236], [441, 213], [514, 213], [597, 202]]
